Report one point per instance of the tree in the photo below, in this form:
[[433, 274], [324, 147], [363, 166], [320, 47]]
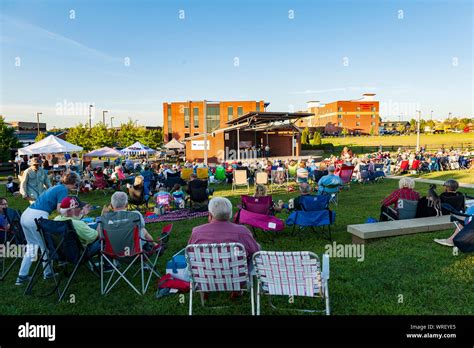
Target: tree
[[412, 125], [127, 134], [372, 131], [8, 140], [401, 128], [305, 136], [345, 132], [152, 138], [40, 136], [80, 135], [316, 139], [101, 136]]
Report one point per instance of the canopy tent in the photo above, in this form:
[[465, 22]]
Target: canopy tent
[[174, 144], [137, 149], [104, 152], [50, 144]]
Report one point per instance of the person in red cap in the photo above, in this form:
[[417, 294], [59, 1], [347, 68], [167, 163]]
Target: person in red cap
[[71, 208]]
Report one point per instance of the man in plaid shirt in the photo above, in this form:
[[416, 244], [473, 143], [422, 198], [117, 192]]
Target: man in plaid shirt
[[406, 191]]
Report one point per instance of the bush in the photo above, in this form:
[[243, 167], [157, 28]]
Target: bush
[[316, 139]]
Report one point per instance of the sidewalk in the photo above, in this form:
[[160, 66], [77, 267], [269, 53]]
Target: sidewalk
[[429, 181]]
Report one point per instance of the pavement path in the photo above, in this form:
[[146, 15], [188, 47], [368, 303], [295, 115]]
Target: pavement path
[[429, 181]]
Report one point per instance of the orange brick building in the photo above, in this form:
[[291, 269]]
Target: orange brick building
[[359, 116]]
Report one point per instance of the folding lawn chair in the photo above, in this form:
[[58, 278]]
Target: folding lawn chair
[[279, 178], [173, 179], [346, 176], [186, 173], [257, 212], [415, 166], [297, 273], [315, 213], [240, 179], [332, 191], [406, 209], [261, 178], [122, 248], [12, 236], [404, 166], [217, 268], [219, 175], [63, 247], [202, 173]]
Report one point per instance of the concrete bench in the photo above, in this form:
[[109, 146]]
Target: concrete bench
[[363, 233]]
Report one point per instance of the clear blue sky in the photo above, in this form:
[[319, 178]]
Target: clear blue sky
[[424, 60]]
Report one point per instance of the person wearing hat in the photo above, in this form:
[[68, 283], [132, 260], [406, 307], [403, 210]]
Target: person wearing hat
[[47, 202], [34, 181], [71, 208]]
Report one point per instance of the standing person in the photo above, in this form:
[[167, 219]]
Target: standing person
[[267, 151], [46, 203], [34, 181], [18, 162]]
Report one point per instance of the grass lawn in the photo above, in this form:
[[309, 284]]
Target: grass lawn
[[464, 176], [400, 275], [360, 145]]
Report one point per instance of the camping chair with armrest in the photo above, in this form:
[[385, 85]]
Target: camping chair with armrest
[[415, 166], [294, 273], [332, 190], [122, 248], [219, 175], [12, 236], [173, 179], [261, 178], [279, 178], [218, 268], [62, 247], [240, 179], [186, 173], [406, 209], [314, 213], [404, 166], [202, 173], [292, 172], [345, 173]]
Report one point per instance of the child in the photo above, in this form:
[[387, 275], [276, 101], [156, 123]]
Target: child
[[13, 187], [162, 199], [178, 196]]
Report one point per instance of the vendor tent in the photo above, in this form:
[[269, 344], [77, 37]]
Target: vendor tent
[[50, 144], [104, 152], [138, 149], [174, 144]]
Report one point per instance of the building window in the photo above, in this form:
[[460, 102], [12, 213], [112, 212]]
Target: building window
[[213, 117], [357, 124], [257, 107], [339, 108], [196, 134], [170, 129], [170, 136], [230, 113], [186, 135], [196, 117], [240, 111], [186, 117], [339, 116], [357, 116], [373, 108], [340, 124], [358, 108], [373, 123], [373, 115]]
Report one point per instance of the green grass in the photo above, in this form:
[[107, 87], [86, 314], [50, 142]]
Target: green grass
[[429, 277], [463, 176]]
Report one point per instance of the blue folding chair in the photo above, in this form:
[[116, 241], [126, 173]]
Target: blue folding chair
[[314, 213], [62, 246]]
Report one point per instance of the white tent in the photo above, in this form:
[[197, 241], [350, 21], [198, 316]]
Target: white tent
[[104, 152], [174, 144], [50, 144], [138, 149]]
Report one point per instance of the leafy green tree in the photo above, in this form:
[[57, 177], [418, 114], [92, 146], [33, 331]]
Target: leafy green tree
[[401, 128], [316, 139], [345, 132], [305, 136], [8, 140], [80, 135], [40, 136], [127, 134], [152, 138], [101, 136], [372, 131], [412, 125]]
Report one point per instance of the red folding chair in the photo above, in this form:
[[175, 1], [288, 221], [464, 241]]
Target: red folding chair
[[404, 166], [345, 173], [415, 166]]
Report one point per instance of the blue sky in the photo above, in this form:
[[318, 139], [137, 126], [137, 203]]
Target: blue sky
[[329, 50]]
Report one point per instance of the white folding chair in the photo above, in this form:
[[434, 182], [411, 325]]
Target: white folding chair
[[261, 178], [217, 268], [297, 273], [240, 179]]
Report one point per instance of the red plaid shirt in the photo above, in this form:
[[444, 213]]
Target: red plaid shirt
[[404, 193]]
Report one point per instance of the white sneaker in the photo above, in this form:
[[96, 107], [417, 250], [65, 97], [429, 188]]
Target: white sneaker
[[445, 242]]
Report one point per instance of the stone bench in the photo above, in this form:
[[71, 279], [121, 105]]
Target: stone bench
[[363, 233]]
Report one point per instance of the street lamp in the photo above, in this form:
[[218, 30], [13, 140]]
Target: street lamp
[[90, 121], [418, 132], [111, 122], [38, 121], [136, 123], [431, 115], [103, 116]]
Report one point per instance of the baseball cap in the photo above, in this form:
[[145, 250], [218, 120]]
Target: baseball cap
[[71, 202]]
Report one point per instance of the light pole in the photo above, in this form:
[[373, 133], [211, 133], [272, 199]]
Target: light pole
[[205, 132], [136, 123], [103, 116], [449, 116], [431, 115], [418, 132], [111, 122], [90, 121], [38, 121]]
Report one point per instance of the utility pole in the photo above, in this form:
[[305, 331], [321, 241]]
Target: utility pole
[[205, 131], [103, 116], [111, 122], [38, 121], [90, 121]]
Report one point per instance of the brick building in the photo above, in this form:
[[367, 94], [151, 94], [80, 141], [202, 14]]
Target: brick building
[[360, 116]]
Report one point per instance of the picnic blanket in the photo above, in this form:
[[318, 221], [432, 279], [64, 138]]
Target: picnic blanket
[[181, 214]]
